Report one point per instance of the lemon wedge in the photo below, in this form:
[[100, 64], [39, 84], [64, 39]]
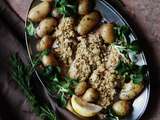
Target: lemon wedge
[[83, 108], [70, 108]]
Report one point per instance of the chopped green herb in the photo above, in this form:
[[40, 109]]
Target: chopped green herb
[[131, 71], [137, 78], [121, 32], [129, 51], [122, 68], [67, 7], [124, 45], [30, 29]]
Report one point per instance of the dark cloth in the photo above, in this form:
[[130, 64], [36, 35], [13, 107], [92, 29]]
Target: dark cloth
[[13, 105]]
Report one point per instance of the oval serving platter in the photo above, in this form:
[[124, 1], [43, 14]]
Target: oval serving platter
[[109, 14]]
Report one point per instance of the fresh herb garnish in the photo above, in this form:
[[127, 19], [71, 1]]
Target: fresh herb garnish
[[63, 87], [67, 7], [110, 115], [121, 32], [131, 71], [129, 50], [22, 73], [30, 29], [42, 53], [123, 44], [36, 59]]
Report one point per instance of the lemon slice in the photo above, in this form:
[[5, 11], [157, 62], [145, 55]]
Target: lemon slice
[[83, 108], [70, 108]]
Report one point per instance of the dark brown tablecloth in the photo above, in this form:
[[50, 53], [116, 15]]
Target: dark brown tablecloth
[[142, 15], [13, 105]]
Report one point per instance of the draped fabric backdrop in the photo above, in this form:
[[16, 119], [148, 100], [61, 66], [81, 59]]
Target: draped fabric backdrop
[[142, 15]]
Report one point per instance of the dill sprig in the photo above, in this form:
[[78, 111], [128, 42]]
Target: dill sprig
[[22, 74]]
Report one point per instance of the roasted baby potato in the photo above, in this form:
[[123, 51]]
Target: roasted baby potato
[[122, 108], [80, 88], [130, 90], [107, 33], [88, 22], [90, 95], [39, 12], [45, 43], [46, 26], [49, 60], [84, 7]]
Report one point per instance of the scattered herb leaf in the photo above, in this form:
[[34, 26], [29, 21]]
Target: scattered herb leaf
[[131, 71], [57, 84], [137, 78], [129, 51], [121, 32], [67, 7], [124, 45], [30, 29]]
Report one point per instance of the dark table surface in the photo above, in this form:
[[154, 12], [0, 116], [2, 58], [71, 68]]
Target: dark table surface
[[142, 15]]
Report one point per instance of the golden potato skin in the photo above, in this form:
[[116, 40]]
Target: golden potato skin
[[49, 60], [107, 33], [83, 7], [122, 108], [90, 95], [45, 43], [46, 26], [81, 88], [88, 22], [130, 90], [39, 12]]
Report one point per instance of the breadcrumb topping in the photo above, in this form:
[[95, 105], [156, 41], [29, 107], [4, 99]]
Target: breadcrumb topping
[[90, 60], [65, 42]]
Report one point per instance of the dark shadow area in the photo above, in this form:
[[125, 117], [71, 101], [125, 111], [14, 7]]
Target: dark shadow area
[[6, 111]]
